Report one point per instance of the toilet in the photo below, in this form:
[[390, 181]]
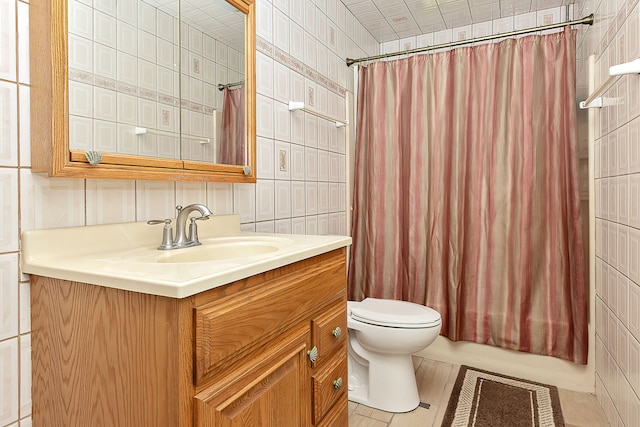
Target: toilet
[[383, 334]]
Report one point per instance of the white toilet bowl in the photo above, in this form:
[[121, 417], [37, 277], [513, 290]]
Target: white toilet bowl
[[383, 334]]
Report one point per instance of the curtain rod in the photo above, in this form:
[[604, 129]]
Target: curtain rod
[[229, 85], [587, 20]]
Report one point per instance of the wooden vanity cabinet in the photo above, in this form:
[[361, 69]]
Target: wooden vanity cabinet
[[236, 355]]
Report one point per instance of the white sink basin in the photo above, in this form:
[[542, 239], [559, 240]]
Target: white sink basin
[[218, 252], [213, 249]]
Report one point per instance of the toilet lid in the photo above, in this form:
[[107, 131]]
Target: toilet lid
[[394, 313]]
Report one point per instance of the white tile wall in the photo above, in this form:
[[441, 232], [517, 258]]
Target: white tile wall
[[264, 74], [281, 84], [264, 20], [220, 198], [47, 203], [311, 203], [8, 130], [298, 225], [25, 375], [24, 126], [9, 205], [9, 364], [244, 202], [265, 200], [9, 290], [8, 35], [264, 158], [282, 121], [298, 199], [614, 39], [110, 202], [311, 225], [283, 226], [190, 192], [264, 116], [282, 199], [311, 164], [265, 227], [155, 200]]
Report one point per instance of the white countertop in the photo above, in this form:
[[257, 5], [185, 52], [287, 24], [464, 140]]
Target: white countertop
[[125, 256]]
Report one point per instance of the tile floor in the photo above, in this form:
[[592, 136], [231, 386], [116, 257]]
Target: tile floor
[[435, 382]]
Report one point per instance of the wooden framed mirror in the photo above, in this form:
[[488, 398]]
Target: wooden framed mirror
[[164, 123]]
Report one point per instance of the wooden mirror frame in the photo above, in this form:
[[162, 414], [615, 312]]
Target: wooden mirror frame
[[50, 152]]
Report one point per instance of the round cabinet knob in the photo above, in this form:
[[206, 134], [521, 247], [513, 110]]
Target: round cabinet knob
[[337, 332], [313, 354], [337, 384]]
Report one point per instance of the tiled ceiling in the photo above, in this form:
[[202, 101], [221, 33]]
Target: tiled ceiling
[[397, 19]]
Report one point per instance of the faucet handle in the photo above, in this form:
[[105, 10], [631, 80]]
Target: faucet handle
[[167, 233], [159, 221], [193, 229]]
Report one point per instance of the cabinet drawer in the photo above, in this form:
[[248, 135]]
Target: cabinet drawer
[[329, 384], [329, 331], [242, 322]]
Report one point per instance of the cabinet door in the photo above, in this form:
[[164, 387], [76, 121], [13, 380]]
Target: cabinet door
[[274, 392]]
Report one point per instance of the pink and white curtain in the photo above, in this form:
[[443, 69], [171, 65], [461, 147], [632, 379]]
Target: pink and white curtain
[[466, 197], [232, 135]]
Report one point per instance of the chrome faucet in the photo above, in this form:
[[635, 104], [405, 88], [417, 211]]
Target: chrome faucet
[[182, 239]]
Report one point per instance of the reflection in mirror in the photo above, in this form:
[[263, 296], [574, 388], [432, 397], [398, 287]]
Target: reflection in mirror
[[232, 138], [212, 58], [132, 91]]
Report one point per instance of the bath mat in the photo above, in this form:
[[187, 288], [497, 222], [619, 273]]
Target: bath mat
[[486, 399]]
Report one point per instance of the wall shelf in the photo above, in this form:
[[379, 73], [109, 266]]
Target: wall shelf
[[595, 100], [632, 67], [293, 105], [143, 131]]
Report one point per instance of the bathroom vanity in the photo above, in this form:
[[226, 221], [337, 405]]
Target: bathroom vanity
[[130, 336]]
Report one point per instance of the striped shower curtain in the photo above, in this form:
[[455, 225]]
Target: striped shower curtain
[[466, 197]]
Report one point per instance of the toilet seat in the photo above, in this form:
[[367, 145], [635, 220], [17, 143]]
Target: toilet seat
[[396, 314]]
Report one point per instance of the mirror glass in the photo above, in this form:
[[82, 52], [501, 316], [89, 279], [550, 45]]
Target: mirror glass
[[212, 83], [158, 78]]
